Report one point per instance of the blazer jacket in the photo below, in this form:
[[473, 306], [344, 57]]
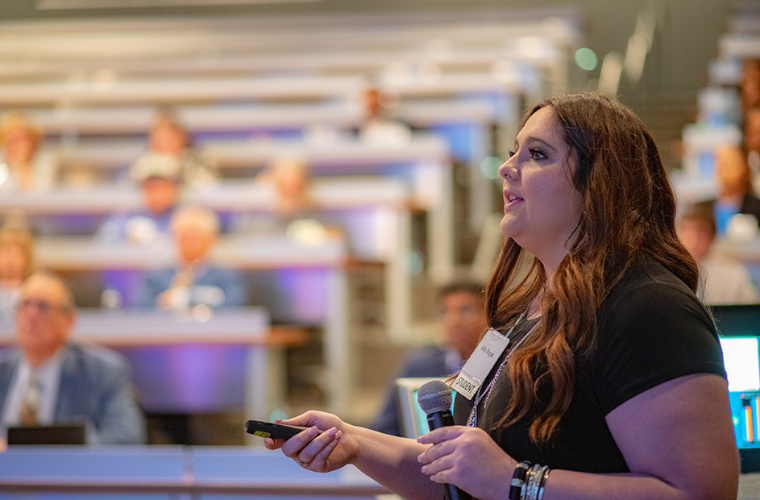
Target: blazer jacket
[[95, 388]]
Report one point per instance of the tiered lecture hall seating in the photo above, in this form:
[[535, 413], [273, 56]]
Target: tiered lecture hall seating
[[720, 120], [94, 87], [251, 90]]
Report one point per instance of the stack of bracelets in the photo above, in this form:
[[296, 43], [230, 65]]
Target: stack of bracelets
[[528, 482]]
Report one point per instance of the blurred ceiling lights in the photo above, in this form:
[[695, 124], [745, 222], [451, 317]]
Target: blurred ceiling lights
[[609, 77], [126, 4], [585, 58], [639, 45]]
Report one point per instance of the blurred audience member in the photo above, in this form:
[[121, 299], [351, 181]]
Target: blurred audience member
[[48, 379], [723, 280], [735, 189], [22, 167], [378, 127], [161, 194], [194, 281], [169, 167], [752, 138], [294, 215], [290, 179], [750, 84], [170, 155], [17, 263], [464, 321]]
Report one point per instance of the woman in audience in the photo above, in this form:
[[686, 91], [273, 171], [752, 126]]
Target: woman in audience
[[22, 167], [290, 179], [723, 279], [16, 264], [171, 156], [612, 383], [290, 183]]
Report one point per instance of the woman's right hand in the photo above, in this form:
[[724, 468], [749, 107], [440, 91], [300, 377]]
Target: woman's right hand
[[328, 451]]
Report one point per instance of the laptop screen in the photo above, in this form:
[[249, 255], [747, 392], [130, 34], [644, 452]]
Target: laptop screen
[[739, 330], [413, 419]]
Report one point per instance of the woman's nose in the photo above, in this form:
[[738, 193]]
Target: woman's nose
[[508, 169]]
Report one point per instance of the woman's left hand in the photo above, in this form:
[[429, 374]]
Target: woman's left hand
[[468, 458]]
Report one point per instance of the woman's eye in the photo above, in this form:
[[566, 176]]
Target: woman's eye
[[511, 153], [537, 154]]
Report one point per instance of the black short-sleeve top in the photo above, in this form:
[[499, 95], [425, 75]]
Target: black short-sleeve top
[[650, 329]]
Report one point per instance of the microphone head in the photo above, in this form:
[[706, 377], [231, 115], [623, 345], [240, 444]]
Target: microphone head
[[434, 396]]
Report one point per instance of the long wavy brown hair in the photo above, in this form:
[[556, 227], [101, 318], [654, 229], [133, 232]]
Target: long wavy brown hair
[[628, 209]]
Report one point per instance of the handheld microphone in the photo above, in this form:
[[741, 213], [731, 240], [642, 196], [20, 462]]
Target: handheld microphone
[[434, 398]]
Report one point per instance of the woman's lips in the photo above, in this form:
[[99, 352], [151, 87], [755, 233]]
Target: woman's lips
[[511, 200]]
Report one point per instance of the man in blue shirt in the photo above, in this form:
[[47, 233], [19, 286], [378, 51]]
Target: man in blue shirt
[[193, 281], [464, 321]]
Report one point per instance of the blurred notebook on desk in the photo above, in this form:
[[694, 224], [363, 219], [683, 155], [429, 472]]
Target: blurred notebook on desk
[[67, 434]]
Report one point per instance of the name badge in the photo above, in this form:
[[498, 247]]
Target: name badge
[[480, 363]]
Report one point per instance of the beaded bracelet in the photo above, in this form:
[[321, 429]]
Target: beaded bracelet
[[518, 481]]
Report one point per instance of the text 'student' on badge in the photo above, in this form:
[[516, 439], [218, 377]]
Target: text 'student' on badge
[[481, 362]]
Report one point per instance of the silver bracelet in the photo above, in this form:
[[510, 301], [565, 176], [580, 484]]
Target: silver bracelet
[[531, 483], [526, 483], [542, 483]]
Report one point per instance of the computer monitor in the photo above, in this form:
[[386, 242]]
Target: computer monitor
[[413, 419], [739, 330]]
